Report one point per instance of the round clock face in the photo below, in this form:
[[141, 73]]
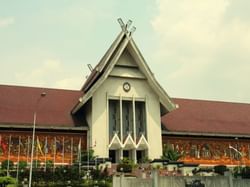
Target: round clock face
[[126, 86]]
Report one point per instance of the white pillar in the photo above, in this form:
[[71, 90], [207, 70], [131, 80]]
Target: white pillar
[[134, 125], [134, 155], [121, 125], [121, 154]]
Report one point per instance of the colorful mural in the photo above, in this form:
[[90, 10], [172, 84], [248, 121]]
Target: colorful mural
[[211, 151], [59, 148]]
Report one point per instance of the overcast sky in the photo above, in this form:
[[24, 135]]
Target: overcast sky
[[196, 49]]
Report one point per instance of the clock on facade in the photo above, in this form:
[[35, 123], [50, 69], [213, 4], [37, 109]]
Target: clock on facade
[[126, 86]]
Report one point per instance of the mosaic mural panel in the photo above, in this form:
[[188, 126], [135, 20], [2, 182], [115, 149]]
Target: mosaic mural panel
[[59, 148], [211, 151]]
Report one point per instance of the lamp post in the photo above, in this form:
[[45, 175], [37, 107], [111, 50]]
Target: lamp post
[[121, 176], [236, 150], [240, 153], [43, 94]]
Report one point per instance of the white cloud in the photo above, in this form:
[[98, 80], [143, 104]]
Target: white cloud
[[204, 49], [4, 22], [51, 73], [69, 83], [41, 75]]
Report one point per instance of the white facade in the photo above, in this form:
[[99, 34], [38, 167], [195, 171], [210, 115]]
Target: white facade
[[123, 88]]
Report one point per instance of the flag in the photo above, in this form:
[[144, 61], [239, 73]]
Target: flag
[[54, 154], [46, 146], [45, 152], [28, 148], [79, 155], [8, 167], [1, 151], [71, 151], [63, 151], [79, 150], [19, 148], [59, 146], [3, 145], [39, 146]]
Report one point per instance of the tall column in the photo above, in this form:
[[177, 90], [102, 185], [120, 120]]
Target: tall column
[[134, 155], [121, 154], [134, 125], [121, 125]]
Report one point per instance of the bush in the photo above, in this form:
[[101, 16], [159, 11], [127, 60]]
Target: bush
[[125, 165], [245, 173], [87, 155], [22, 165], [170, 154], [220, 169], [5, 164], [36, 163], [7, 180], [98, 174], [101, 183], [144, 160], [49, 164]]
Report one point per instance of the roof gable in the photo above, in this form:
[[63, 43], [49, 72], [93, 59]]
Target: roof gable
[[126, 60], [112, 64], [126, 67]]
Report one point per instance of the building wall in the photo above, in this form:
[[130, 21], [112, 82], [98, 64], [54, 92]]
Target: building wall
[[126, 69], [113, 88]]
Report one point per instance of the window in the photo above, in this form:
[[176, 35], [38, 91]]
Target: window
[[127, 118], [128, 114], [140, 118], [114, 118]]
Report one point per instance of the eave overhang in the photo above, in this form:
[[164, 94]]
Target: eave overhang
[[29, 127], [205, 134]]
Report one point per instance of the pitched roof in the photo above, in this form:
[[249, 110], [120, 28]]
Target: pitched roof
[[100, 66], [18, 104], [104, 67], [208, 117]]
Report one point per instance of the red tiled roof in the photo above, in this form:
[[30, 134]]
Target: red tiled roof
[[208, 117], [17, 106]]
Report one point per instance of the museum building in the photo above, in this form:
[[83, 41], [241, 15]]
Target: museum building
[[120, 111]]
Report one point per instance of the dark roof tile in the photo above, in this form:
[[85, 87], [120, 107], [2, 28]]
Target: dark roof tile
[[208, 117], [17, 106]]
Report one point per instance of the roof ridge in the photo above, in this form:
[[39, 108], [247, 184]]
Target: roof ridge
[[35, 87], [208, 100]]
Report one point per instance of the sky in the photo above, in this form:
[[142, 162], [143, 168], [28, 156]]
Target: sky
[[196, 49]]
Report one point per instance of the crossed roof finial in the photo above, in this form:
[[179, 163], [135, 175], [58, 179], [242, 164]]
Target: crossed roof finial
[[126, 26]]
